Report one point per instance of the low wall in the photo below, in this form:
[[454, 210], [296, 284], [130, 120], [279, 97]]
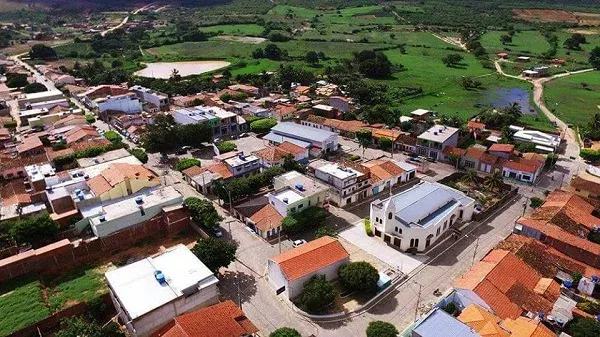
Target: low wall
[[52, 322], [63, 255]]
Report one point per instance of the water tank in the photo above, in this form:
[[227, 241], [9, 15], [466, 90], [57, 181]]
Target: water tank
[[299, 187], [101, 218], [159, 276], [567, 284], [286, 200], [80, 196], [139, 200]]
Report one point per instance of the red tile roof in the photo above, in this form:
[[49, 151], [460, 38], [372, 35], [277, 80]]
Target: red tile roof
[[507, 148], [383, 170], [271, 154], [80, 132], [267, 218], [451, 150], [508, 285], [117, 173], [224, 319], [476, 125], [310, 257], [292, 148], [29, 144], [218, 168], [520, 164]]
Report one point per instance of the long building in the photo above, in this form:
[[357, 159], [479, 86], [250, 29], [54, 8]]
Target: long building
[[317, 141]]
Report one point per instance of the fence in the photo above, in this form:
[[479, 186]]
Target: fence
[[64, 255]]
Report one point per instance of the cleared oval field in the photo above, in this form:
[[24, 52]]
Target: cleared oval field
[[165, 69]]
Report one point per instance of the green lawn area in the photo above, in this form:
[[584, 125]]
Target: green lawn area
[[80, 285], [571, 101], [524, 42], [21, 304], [354, 15], [298, 48], [237, 30], [81, 48]]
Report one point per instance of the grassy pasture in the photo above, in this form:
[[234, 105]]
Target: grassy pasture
[[574, 99], [21, 304], [236, 30]]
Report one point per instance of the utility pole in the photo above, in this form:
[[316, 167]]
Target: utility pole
[[418, 301], [525, 205], [279, 240]]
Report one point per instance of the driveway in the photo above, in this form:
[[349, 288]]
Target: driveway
[[376, 247]]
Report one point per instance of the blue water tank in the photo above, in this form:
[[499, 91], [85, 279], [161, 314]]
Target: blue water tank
[[139, 200], [299, 187], [595, 279], [159, 276], [567, 283]]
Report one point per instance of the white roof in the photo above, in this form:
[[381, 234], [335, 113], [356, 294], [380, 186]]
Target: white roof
[[288, 195], [420, 112], [438, 133], [339, 171], [405, 119], [302, 132], [43, 94], [39, 172], [493, 139], [405, 166], [203, 113], [323, 107], [138, 290], [237, 160], [95, 170], [538, 138]]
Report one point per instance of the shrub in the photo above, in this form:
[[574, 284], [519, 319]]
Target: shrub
[[316, 294], [591, 308], [381, 329], [368, 229], [10, 125], [263, 125], [584, 327], [290, 224], [90, 118], [36, 231], [240, 96], [310, 217], [34, 87], [140, 154], [187, 163], [113, 136], [225, 146], [322, 231], [203, 212], [359, 276], [587, 154], [285, 332], [354, 157], [450, 308], [536, 202]]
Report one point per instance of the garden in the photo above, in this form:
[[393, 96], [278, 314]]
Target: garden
[[487, 191]]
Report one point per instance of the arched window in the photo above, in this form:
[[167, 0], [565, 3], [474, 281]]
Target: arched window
[[390, 215]]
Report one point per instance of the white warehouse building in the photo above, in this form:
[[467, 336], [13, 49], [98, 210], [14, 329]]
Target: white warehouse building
[[416, 218]]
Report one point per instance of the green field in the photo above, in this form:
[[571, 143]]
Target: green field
[[237, 30], [367, 15], [524, 42], [574, 99], [77, 286], [21, 304]]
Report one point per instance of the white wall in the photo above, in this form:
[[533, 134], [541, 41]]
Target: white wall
[[295, 287], [126, 104]]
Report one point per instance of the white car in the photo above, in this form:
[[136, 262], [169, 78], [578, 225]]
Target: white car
[[298, 243]]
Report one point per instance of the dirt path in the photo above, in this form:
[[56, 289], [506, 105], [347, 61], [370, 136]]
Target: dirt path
[[124, 20], [453, 41]]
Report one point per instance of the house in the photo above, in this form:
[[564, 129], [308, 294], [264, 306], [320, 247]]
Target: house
[[80, 133], [294, 192], [536, 72], [105, 98], [116, 216], [38, 97], [223, 123], [523, 59], [340, 103], [475, 128], [521, 168], [325, 110], [242, 165], [149, 96], [31, 146], [478, 159], [289, 270], [284, 112], [120, 180], [5, 137], [189, 100], [501, 150], [274, 155], [506, 286], [587, 183], [502, 55], [202, 178], [70, 119], [318, 141], [223, 319], [348, 184], [388, 173], [421, 114], [417, 217], [266, 222], [437, 320], [148, 294], [247, 89], [564, 222], [11, 168], [543, 141], [432, 142]]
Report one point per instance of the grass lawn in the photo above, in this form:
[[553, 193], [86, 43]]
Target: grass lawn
[[80, 285], [571, 101], [212, 49], [237, 30], [525, 42], [21, 304]]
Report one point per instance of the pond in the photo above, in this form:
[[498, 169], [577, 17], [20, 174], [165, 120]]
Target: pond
[[503, 97], [165, 69]]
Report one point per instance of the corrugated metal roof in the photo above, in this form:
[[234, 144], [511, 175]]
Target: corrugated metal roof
[[441, 324], [302, 132]]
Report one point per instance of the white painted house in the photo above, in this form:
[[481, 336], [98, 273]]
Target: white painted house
[[418, 217], [432, 142], [149, 293], [289, 270]]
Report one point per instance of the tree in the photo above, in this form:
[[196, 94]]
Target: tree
[[161, 136], [34, 87], [317, 294], [113, 136], [379, 113], [290, 224], [195, 134], [381, 329], [203, 212], [290, 164], [273, 52], [215, 253], [385, 143], [42, 52], [285, 332], [323, 231], [452, 60], [16, 80], [536, 202], [77, 327], [312, 58], [286, 75], [506, 39], [140, 154], [493, 181], [364, 137], [258, 53], [373, 64], [263, 125], [470, 177], [359, 276], [187, 163], [469, 83], [595, 58], [585, 327], [36, 231], [574, 41], [593, 128]]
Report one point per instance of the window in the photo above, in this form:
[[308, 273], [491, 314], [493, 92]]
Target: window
[[390, 215], [300, 206], [376, 219], [399, 230], [437, 233], [469, 164], [293, 209], [396, 229]]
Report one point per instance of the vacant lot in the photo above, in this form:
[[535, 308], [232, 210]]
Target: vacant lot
[[574, 99], [547, 15], [80, 285], [21, 304]]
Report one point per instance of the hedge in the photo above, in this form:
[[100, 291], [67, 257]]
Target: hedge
[[368, 229], [187, 163], [263, 125]]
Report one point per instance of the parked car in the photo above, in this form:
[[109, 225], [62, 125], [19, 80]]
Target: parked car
[[243, 134], [186, 148], [217, 232], [298, 243]]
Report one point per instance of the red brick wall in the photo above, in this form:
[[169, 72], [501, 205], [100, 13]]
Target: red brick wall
[[50, 261]]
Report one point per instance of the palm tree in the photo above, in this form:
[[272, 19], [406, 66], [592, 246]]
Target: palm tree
[[493, 181], [470, 177]]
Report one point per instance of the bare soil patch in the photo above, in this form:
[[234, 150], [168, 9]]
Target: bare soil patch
[[548, 15], [242, 39]]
